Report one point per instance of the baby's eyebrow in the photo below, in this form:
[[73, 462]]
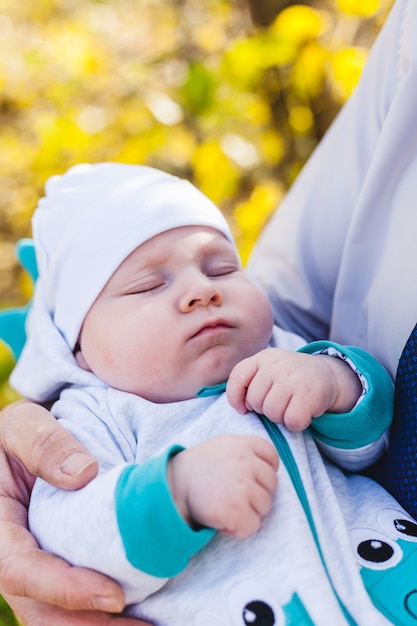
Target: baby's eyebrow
[[140, 278], [219, 248]]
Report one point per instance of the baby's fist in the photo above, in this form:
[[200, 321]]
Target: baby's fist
[[225, 483]]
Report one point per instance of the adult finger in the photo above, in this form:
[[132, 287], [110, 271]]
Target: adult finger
[[25, 570], [39, 576], [31, 434], [33, 613]]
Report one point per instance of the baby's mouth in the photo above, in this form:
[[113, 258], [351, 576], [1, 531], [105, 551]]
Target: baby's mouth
[[217, 326]]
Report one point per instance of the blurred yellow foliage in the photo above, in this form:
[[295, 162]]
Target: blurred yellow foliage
[[361, 8], [301, 119], [272, 146], [214, 172], [300, 23], [252, 214], [346, 68], [309, 70]]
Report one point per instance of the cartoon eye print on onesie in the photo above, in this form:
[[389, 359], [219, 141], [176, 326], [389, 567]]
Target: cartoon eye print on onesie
[[247, 604], [380, 550], [375, 550], [398, 524], [388, 562]]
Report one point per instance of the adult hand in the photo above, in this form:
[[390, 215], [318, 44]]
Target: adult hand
[[41, 588]]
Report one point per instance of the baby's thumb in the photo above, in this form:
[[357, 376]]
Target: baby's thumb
[[30, 434]]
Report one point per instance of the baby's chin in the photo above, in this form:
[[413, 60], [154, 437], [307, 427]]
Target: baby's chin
[[214, 373], [217, 387], [187, 392]]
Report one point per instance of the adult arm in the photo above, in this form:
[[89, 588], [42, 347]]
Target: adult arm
[[311, 246], [39, 587]]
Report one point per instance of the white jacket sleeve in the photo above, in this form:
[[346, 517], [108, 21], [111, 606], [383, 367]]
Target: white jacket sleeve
[[318, 256], [81, 527]]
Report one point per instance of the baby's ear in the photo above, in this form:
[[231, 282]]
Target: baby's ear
[[81, 362]]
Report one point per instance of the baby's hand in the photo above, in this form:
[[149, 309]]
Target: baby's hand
[[291, 388], [225, 483]]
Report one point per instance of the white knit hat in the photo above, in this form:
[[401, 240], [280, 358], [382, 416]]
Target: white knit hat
[[93, 217]]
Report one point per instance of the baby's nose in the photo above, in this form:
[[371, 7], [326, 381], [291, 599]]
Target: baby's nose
[[202, 292]]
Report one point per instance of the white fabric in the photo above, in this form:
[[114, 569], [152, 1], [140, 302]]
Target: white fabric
[[338, 259]]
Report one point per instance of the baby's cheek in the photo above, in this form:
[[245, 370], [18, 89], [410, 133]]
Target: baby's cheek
[[263, 322]]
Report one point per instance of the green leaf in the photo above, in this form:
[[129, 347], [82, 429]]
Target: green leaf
[[198, 90], [7, 617]]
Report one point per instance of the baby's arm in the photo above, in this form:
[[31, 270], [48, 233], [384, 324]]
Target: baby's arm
[[353, 438], [153, 517], [141, 524], [123, 523]]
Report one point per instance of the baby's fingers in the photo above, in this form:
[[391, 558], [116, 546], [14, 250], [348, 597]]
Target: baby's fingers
[[266, 477], [238, 383], [265, 451], [247, 523], [243, 525], [262, 502], [297, 415]]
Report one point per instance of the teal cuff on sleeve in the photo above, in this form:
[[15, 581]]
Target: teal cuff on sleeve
[[371, 417], [157, 540]]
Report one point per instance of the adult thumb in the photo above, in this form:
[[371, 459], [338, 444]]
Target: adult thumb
[[31, 435]]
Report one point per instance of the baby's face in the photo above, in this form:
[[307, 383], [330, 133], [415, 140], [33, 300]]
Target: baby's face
[[177, 314]]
